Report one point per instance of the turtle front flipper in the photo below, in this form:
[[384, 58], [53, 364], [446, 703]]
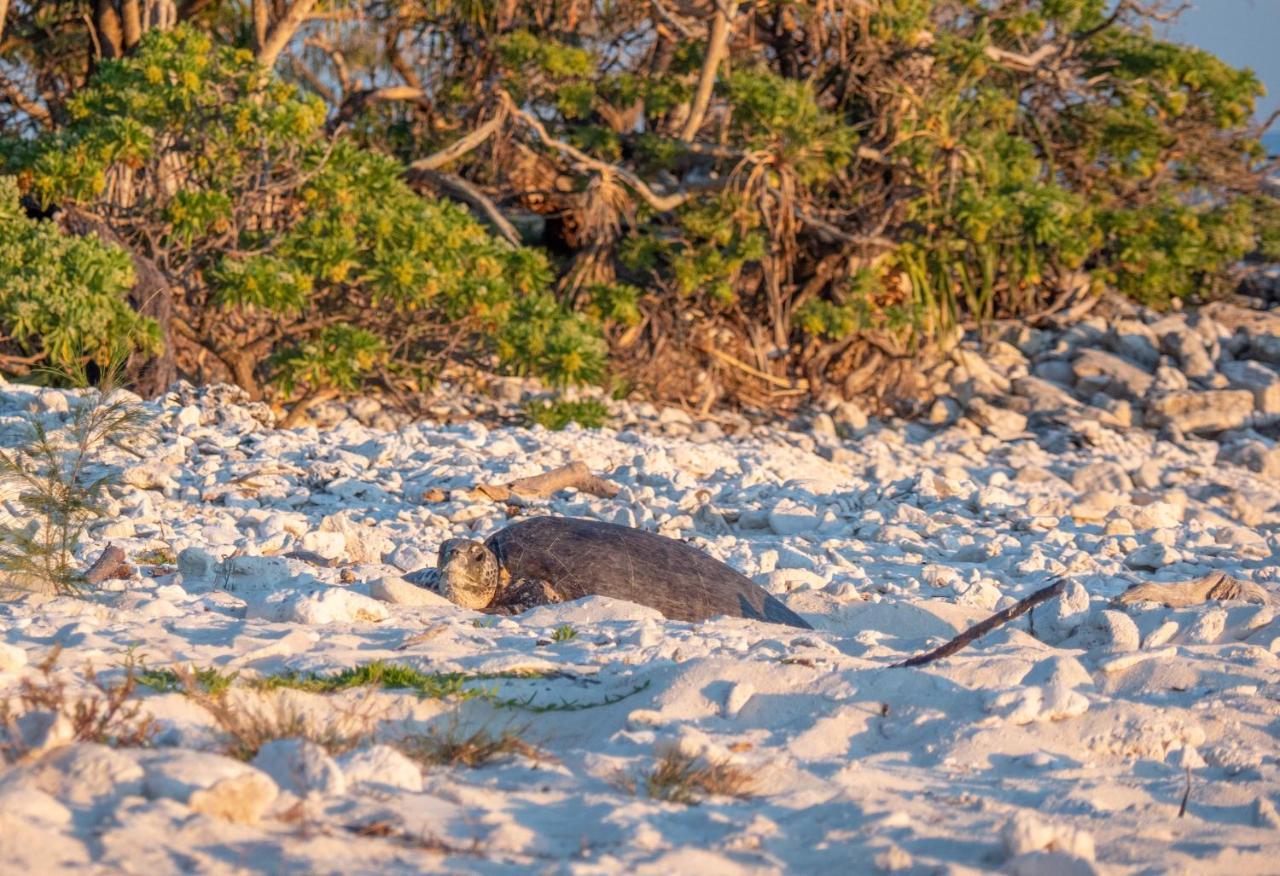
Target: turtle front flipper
[[523, 594]]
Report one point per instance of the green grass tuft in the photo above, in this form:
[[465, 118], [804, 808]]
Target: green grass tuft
[[682, 778], [555, 415], [456, 748], [208, 679]]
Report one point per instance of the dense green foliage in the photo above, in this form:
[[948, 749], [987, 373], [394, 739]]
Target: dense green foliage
[[732, 213], [589, 413], [287, 242], [63, 297]]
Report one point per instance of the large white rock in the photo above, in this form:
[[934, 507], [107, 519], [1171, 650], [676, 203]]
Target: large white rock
[[380, 767], [364, 544], [1193, 411], [301, 766], [790, 518], [1259, 379], [1108, 373], [1105, 475], [330, 545], [326, 606], [1152, 556], [1025, 833], [176, 774], [398, 591], [250, 576], [241, 799]]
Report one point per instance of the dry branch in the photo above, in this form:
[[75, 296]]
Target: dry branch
[[661, 203], [110, 564], [283, 32], [979, 630], [1214, 586], [575, 475], [717, 49], [455, 187], [456, 150]]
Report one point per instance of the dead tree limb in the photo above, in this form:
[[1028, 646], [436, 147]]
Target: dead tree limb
[[1214, 586], [575, 475], [717, 49], [461, 147], [455, 187], [110, 564], [261, 24], [979, 630], [661, 203]]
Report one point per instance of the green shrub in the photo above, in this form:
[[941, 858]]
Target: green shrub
[[555, 415], [302, 261], [63, 298], [893, 169]]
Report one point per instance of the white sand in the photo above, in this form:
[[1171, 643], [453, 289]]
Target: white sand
[[1062, 751]]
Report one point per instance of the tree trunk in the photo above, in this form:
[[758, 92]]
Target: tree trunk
[[131, 23], [106, 23], [151, 297], [717, 51], [243, 364]]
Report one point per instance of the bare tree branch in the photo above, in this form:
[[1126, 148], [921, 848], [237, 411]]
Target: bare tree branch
[[717, 49], [131, 23], [461, 147], [661, 203], [979, 630], [261, 22], [455, 187], [283, 32]]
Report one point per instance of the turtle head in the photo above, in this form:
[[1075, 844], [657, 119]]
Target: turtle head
[[468, 573]]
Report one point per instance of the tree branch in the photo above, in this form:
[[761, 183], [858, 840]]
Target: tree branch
[[461, 147], [717, 49], [284, 31], [543, 486], [131, 22], [261, 22], [457, 188], [979, 630], [661, 203]]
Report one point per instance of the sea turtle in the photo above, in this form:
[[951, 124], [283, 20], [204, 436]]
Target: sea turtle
[[555, 559]]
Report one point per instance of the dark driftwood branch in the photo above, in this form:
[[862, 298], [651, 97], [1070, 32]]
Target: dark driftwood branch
[[1214, 586], [110, 564], [979, 630], [575, 474]]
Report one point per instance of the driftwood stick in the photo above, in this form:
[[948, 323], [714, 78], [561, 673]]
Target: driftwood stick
[[1180, 594], [575, 474], [110, 564], [979, 630]]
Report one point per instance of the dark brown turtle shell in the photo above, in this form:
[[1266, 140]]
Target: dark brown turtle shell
[[585, 557]]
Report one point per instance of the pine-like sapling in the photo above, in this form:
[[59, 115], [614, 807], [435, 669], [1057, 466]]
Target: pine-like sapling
[[49, 474]]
